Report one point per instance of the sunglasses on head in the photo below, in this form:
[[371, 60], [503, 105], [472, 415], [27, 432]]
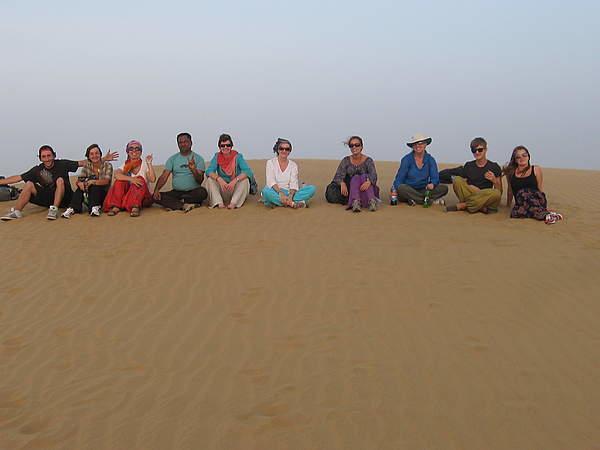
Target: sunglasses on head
[[355, 145], [477, 150], [225, 145]]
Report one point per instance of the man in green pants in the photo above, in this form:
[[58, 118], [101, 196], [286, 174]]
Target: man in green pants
[[480, 187]]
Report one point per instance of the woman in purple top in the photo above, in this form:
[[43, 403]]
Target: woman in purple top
[[355, 180], [418, 173]]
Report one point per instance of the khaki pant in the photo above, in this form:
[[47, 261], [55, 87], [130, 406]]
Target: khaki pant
[[484, 198], [236, 198]]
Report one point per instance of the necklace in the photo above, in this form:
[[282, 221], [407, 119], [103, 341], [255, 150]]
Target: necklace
[[520, 173]]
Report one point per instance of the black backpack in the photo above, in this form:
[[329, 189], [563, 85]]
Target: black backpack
[[8, 193]]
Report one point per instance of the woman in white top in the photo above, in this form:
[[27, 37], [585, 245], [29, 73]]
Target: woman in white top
[[131, 189], [282, 187]]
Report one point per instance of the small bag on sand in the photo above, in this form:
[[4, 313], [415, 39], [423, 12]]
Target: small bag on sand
[[8, 193], [253, 186], [333, 194]]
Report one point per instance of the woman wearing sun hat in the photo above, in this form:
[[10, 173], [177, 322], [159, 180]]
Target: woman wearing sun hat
[[418, 173]]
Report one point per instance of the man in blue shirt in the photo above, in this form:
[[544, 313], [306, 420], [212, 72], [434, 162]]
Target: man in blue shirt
[[188, 169], [418, 173]]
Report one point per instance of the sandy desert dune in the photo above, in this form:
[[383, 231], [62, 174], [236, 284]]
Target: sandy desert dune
[[407, 328]]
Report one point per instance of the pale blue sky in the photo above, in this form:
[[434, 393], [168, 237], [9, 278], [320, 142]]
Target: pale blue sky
[[312, 71]]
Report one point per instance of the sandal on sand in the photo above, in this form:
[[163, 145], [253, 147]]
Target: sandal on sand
[[113, 211], [299, 204], [552, 217], [135, 212]]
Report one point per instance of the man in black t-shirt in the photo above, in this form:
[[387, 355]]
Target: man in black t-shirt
[[481, 187], [46, 184]]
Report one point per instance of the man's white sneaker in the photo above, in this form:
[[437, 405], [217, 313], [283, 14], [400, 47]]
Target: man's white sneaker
[[95, 212], [52, 213], [66, 215], [12, 215]]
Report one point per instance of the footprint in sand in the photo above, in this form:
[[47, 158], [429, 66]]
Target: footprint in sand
[[11, 399], [13, 345], [258, 376], [14, 290], [63, 331], [36, 425], [476, 344]]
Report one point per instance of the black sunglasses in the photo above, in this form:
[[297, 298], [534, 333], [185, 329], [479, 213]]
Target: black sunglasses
[[354, 145], [477, 150], [225, 145]]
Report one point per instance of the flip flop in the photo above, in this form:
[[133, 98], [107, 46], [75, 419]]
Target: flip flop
[[135, 212]]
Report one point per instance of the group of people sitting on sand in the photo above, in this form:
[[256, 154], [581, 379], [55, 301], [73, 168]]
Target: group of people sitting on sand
[[228, 180]]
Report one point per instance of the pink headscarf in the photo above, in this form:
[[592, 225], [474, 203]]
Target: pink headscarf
[[132, 142], [131, 165]]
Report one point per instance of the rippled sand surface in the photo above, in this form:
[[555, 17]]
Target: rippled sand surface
[[407, 328]]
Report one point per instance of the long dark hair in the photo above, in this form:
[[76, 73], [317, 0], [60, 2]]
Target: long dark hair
[[510, 168]]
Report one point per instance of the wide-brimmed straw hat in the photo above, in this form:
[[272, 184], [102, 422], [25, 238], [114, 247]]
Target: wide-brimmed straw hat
[[418, 138]]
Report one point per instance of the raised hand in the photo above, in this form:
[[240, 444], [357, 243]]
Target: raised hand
[[149, 159], [111, 156]]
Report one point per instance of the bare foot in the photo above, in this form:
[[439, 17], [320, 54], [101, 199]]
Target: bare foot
[[231, 206], [220, 206], [461, 206]]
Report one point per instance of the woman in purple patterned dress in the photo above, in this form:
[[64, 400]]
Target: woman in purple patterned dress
[[355, 180], [525, 185]]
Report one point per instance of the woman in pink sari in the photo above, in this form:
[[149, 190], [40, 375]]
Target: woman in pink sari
[[131, 189]]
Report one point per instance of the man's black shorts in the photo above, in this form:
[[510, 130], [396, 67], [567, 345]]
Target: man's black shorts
[[45, 196]]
